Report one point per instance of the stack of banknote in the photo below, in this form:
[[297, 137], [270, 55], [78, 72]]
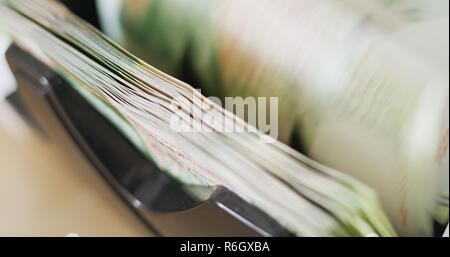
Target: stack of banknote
[[319, 98], [362, 86]]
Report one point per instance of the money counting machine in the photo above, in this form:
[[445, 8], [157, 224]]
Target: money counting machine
[[54, 108]]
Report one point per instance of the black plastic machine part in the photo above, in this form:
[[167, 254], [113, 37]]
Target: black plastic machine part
[[160, 201]]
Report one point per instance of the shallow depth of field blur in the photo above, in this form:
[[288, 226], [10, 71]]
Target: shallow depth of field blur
[[316, 58]]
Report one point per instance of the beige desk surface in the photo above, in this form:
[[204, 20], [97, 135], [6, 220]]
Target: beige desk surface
[[42, 194]]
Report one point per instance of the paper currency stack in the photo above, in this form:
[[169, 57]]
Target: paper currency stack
[[360, 118]]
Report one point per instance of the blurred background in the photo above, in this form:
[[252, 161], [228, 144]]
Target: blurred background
[[48, 188]]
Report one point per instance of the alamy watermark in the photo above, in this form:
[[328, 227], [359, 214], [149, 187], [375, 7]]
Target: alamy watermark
[[204, 116]]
